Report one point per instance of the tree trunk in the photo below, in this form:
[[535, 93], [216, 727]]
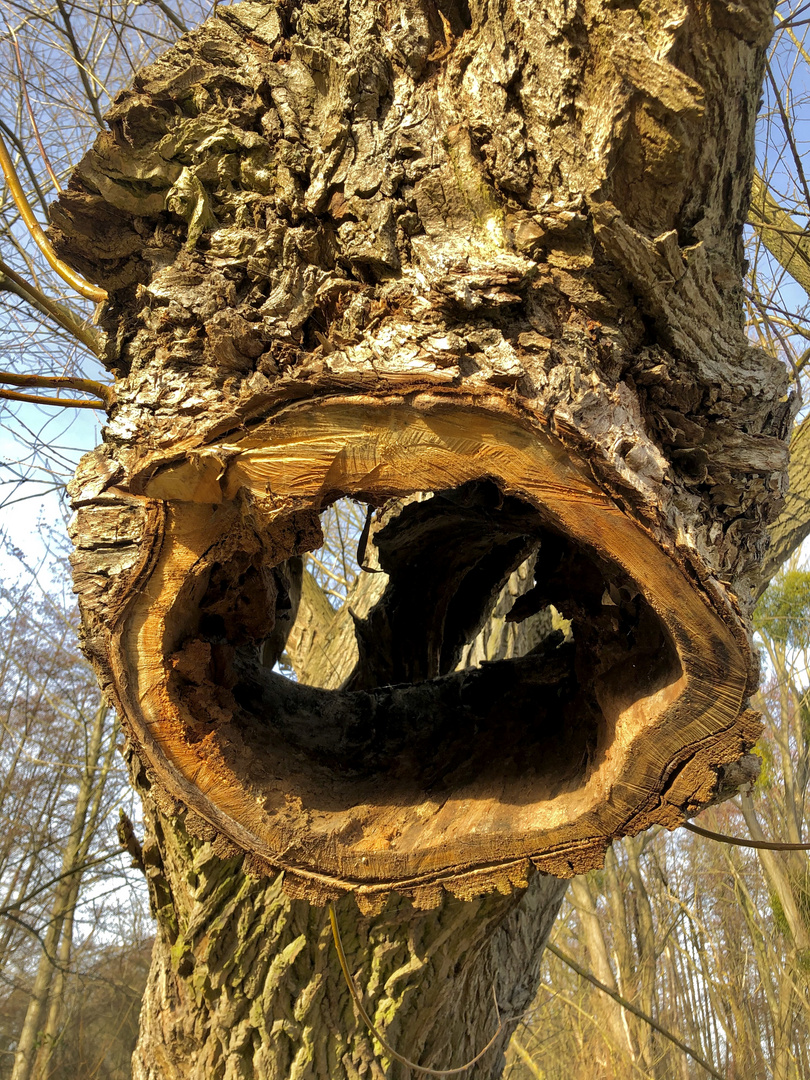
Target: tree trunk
[[56, 941], [486, 251], [245, 982], [617, 1029]]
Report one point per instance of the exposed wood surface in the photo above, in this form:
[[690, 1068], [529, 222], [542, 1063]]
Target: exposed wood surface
[[405, 785]]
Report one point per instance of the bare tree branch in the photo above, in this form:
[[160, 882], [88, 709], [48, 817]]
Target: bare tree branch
[[58, 382], [31, 115], [710, 1069], [52, 309], [785, 240], [67, 403], [92, 292]]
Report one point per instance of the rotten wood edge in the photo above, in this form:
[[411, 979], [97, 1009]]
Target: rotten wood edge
[[565, 850]]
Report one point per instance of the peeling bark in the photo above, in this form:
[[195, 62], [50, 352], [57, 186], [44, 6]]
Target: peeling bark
[[486, 252]]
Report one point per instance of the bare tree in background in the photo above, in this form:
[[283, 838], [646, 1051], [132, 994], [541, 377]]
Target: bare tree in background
[[61, 788], [62, 782], [60, 64]]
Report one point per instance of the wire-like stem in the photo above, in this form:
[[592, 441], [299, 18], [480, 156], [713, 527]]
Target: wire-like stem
[[741, 841], [92, 292], [63, 403], [27, 291], [370, 1023], [30, 110]]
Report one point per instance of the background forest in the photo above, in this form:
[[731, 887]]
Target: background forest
[[707, 944]]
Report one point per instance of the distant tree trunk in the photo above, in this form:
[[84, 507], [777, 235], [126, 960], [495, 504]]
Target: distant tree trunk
[[42, 1011], [489, 251], [619, 1041]]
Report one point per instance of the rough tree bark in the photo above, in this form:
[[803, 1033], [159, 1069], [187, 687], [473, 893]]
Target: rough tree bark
[[487, 250]]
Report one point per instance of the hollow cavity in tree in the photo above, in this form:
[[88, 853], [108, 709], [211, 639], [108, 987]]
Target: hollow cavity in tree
[[415, 776]]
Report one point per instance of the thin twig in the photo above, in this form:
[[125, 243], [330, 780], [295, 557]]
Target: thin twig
[[17, 144], [80, 64], [791, 19], [29, 292], [739, 841], [625, 1004], [370, 1023], [786, 125], [9, 909], [92, 292], [170, 15], [527, 1058], [31, 115], [35, 934], [65, 403], [782, 340]]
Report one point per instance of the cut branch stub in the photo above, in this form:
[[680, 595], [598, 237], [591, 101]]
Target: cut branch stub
[[454, 779], [506, 271]]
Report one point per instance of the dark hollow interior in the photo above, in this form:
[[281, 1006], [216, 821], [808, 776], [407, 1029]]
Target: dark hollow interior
[[531, 726]]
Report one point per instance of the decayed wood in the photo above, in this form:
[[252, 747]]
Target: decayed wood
[[666, 662], [374, 250]]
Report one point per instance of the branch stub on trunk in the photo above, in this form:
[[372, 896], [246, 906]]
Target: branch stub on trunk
[[344, 261], [457, 779]]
